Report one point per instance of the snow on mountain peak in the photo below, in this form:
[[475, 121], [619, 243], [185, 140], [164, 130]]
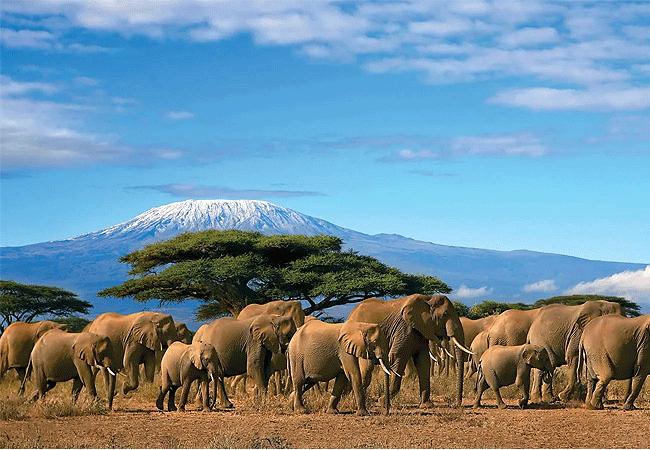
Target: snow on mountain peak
[[165, 221]]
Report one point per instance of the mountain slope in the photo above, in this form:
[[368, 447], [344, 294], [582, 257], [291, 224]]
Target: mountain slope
[[87, 263]]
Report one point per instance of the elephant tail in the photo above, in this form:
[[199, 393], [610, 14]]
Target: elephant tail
[[28, 372], [582, 364], [479, 375]]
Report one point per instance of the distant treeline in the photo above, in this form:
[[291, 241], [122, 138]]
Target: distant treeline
[[488, 307]]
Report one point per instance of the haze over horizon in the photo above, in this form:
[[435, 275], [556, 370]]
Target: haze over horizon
[[497, 124]]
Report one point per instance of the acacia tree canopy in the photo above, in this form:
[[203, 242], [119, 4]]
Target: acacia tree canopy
[[22, 302], [227, 270]]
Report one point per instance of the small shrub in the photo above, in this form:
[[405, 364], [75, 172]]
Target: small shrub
[[14, 408]]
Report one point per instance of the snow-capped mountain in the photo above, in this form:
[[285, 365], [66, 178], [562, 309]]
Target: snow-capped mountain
[[169, 220], [88, 263]]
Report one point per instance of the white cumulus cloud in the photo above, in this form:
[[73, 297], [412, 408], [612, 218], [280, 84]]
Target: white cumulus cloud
[[633, 285], [541, 286], [467, 292]]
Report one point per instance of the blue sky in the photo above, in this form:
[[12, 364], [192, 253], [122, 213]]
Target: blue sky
[[491, 124]]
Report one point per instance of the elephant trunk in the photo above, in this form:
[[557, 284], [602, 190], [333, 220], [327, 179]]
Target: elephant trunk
[[459, 376], [455, 332]]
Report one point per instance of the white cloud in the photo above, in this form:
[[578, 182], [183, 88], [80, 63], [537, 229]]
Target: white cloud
[[633, 285], [179, 115], [550, 99], [466, 292], [513, 144], [541, 286], [530, 37]]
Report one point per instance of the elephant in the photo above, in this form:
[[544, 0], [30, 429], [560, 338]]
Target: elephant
[[511, 327], [472, 327], [135, 338], [615, 348], [504, 365], [181, 365], [291, 308], [321, 351], [247, 346], [478, 347], [61, 356], [183, 333], [409, 323], [558, 329], [17, 343]]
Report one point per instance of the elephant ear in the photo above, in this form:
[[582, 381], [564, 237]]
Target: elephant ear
[[353, 339], [264, 332], [588, 312], [195, 356], [417, 313], [533, 354], [145, 332], [84, 349]]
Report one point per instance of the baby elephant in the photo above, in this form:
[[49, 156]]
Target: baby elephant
[[502, 366], [181, 365], [61, 356]]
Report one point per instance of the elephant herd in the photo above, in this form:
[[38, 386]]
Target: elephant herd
[[594, 340]]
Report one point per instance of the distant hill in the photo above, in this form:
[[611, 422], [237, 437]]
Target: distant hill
[[88, 263]]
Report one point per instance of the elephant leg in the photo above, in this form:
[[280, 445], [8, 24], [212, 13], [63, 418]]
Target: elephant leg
[[164, 389], [366, 367], [224, 402], [205, 387], [524, 386], [396, 382], [353, 374], [597, 397], [77, 384], [481, 386], [86, 377], [298, 390], [628, 389], [337, 391], [133, 382], [236, 380], [149, 367], [568, 391], [423, 366], [547, 390], [637, 384], [171, 401], [160, 401], [185, 390], [20, 373], [536, 393]]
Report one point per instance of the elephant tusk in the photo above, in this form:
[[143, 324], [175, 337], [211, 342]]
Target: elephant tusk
[[447, 352], [110, 371], [396, 373], [432, 357], [453, 339], [383, 366]]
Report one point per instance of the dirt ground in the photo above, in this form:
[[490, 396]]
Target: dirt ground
[[136, 423]]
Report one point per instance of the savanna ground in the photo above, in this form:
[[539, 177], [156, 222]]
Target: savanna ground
[[136, 423]]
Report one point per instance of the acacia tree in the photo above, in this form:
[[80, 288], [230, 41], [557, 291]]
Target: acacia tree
[[227, 270], [23, 302]]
